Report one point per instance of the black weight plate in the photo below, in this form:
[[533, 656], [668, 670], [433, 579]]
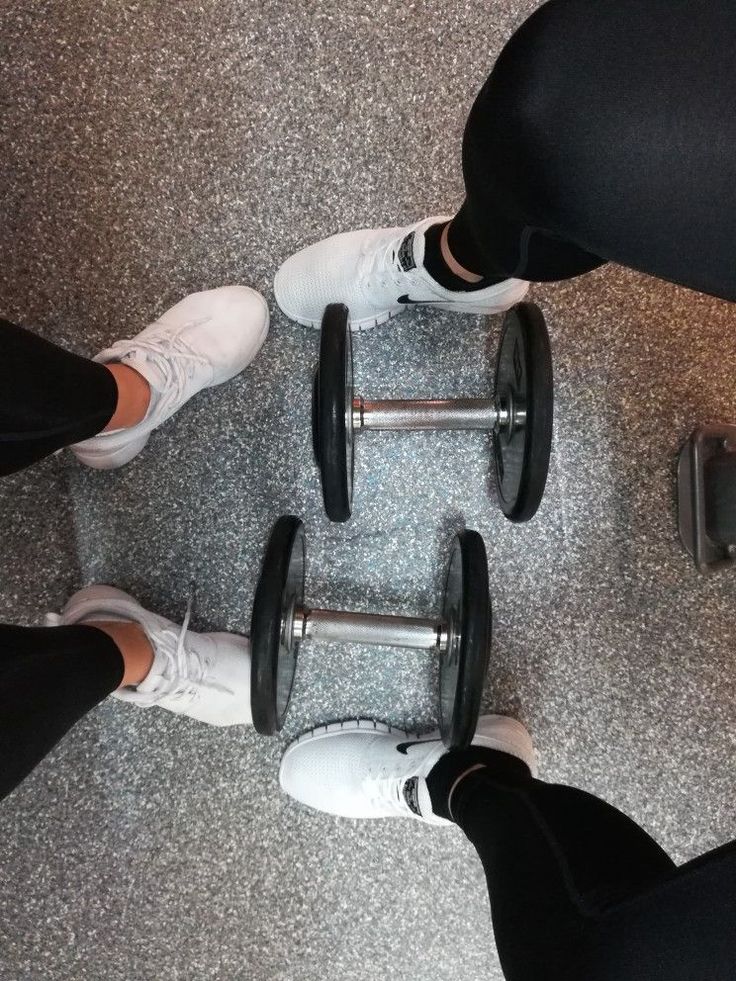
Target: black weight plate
[[315, 416], [720, 498], [334, 398], [466, 609], [279, 592], [524, 379]]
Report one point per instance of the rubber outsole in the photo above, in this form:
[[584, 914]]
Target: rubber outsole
[[350, 725], [515, 742], [368, 323]]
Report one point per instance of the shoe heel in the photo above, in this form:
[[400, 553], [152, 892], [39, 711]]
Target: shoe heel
[[506, 735], [98, 459]]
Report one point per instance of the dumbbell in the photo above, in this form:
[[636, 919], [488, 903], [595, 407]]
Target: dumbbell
[[519, 416], [460, 636], [706, 479]]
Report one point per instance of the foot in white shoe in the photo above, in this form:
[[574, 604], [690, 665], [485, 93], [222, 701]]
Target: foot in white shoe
[[204, 340], [377, 273], [366, 769], [203, 676]]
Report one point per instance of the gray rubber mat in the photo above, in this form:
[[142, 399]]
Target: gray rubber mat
[[150, 149]]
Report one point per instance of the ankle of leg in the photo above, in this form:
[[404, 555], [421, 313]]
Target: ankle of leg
[[134, 646], [444, 775], [134, 397]]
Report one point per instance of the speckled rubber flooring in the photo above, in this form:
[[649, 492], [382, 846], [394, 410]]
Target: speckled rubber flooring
[[152, 148]]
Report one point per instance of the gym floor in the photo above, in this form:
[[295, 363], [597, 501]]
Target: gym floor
[[151, 149]]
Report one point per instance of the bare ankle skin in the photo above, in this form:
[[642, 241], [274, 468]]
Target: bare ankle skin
[[134, 645], [456, 784], [134, 397], [451, 262]]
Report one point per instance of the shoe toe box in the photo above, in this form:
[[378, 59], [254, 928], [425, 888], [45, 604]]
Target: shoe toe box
[[324, 273], [232, 329], [323, 771]]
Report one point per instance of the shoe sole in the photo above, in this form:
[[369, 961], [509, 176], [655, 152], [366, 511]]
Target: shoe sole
[[351, 725], [499, 732], [111, 459], [504, 301]]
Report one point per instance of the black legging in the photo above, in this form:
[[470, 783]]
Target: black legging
[[49, 678], [49, 397], [607, 131], [579, 892]]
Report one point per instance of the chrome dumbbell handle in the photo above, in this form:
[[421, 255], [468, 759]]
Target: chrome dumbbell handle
[[415, 633], [423, 414]]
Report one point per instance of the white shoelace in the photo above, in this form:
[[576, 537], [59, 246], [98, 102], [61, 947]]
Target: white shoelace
[[171, 355], [182, 683], [383, 791], [180, 657], [381, 265]]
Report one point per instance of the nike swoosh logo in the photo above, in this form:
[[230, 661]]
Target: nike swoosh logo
[[406, 299], [404, 747]]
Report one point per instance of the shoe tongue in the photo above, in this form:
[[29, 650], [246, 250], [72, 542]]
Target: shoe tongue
[[411, 794], [411, 251], [416, 797]]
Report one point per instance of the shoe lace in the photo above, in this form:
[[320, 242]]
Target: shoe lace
[[171, 353], [187, 666], [389, 791], [380, 265], [180, 658], [381, 789]]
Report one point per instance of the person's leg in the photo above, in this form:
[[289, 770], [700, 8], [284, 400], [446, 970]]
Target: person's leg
[[603, 133], [49, 397], [49, 679], [683, 928], [578, 891], [106, 409], [104, 642], [555, 859]]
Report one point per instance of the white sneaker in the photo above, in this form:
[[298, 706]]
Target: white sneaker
[[377, 273], [204, 676], [204, 340], [366, 769]]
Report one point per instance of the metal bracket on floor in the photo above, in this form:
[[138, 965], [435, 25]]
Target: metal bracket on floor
[[706, 482]]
